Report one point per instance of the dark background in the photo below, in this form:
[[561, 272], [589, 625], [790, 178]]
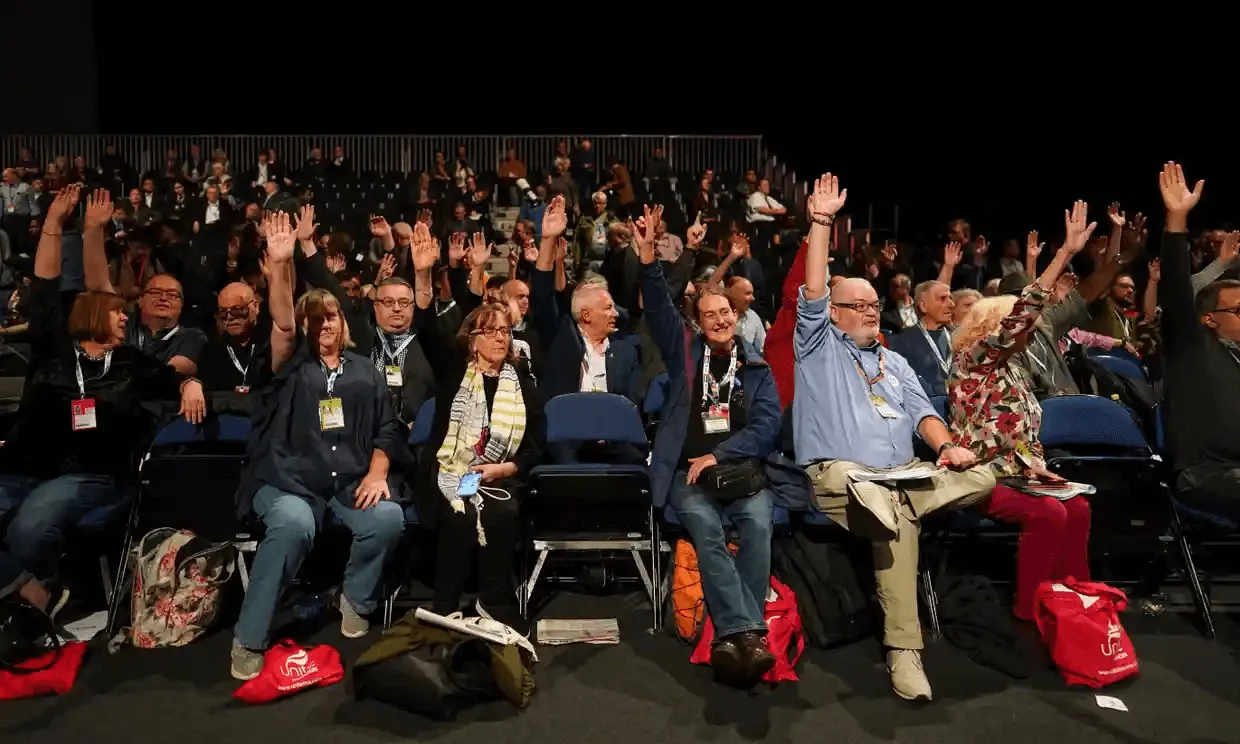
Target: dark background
[[1005, 148]]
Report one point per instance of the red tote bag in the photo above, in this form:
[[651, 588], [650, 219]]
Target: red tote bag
[[1079, 623], [784, 635]]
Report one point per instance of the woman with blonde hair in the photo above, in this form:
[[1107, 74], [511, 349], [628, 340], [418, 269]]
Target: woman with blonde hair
[[485, 437], [325, 438], [995, 414]]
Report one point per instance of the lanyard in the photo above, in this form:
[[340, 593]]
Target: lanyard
[[77, 363], [1034, 357], [331, 375], [155, 337], [1123, 322], [393, 356], [245, 371], [882, 371], [943, 363], [710, 388]]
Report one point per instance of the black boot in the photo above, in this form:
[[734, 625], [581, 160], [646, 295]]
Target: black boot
[[728, 660], [758, 658]]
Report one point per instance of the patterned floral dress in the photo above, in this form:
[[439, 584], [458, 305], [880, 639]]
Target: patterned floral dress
[[993, 410]]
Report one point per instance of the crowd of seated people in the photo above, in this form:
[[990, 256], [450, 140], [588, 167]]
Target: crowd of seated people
[[334, 371]]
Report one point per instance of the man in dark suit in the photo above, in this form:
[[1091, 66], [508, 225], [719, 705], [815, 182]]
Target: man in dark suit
[[927, 346]]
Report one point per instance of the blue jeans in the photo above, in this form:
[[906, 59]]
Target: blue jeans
[[735, 588], [291, 523], [38, 513]]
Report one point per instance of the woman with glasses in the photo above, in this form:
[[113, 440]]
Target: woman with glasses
[[995, 415], [485, 438], [80, 424], [325, 439]]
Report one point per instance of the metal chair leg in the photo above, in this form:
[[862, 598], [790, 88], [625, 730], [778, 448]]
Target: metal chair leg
[[1200, 598]]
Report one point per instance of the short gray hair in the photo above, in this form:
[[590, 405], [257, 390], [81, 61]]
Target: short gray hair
[[925, 288], [585, 293]]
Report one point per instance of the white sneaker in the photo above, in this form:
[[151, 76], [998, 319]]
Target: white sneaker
[[877, 501], [352, 625], [908, 676]]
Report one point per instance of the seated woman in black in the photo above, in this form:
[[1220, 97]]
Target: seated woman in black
[[325, 438], [80, 420], [488, 420]]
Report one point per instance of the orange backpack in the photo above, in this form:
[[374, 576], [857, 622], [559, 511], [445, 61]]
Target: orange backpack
[[688, 604]]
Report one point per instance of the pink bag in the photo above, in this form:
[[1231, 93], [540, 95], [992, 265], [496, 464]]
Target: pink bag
[[1079, 623], [784, 636]]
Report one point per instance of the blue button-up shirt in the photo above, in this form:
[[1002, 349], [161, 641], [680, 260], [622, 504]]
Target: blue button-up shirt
[[833, 415]]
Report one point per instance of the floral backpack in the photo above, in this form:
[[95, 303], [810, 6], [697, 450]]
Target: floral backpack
[[178, 579]]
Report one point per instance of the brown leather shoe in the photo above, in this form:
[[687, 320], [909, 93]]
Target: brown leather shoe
[[729, 661], [759, 659]]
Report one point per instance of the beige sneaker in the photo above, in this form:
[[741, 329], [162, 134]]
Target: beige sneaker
[[877, 501], [908, 676], [352, 625]]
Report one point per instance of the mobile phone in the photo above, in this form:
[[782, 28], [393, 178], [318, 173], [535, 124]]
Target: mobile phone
[[469, 484]]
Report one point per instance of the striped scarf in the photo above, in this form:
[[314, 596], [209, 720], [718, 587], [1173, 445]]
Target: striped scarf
[[468, 421]]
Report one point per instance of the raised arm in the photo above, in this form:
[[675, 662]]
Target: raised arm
[[740, 245], [94, 257], [554, 223], [47, 255], [478, 256], [280, 280], [951, 259], [824, 203], [425, 253], [1178, 312], [1149, 301], [666, 328], [1033, 249], [1226, 261]]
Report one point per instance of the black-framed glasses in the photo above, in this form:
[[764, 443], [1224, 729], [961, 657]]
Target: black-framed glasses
[[167, 294], [229, 313], [860, 307], [503, 332], [1233, 310], [391, 303]]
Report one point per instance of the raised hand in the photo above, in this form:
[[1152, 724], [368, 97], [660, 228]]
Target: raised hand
[[1155, 271], [456, 248], [740, 246], [980, 246], [98, 209], [386, 267], [555, 221], [1116, 216], [63, 204], [280, 238], [479, 251], [889, 251], [530, 251], [1077, 227], [424, 216], [561, 249], [1176, 196], [379, 227], [643, 230], [696, 233], [1134, 237], [952, 254], [1064, 285], [826, 200], [1033, 248], [306, 226], [1231, 246], [424, 250]]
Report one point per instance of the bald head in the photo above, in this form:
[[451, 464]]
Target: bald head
[[740, 293], [237, 293], [238, 310], [854, 310], [518, 291]]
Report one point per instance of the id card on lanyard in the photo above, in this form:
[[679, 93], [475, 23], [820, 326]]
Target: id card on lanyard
[[331, 408], [391, 369], [245, 371], [715, 415], [881, 406], [944, 364], [82, 410]]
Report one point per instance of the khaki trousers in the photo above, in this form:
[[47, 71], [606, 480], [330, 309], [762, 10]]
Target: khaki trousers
[[895, 559]]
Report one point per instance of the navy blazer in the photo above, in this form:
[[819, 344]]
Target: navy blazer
[[564, 347], [911, 345]]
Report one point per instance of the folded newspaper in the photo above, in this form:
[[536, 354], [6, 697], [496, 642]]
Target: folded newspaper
[[920, 472], [1062, 490], [560, 632]]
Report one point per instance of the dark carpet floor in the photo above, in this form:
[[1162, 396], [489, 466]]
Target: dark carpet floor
[[644, 690]]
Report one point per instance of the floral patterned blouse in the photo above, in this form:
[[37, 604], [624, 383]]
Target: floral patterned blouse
[[993, 410]]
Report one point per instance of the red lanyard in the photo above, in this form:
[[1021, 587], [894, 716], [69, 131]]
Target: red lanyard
[[882, 371]]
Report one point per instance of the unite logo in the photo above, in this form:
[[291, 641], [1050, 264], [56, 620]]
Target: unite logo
[[299, 665], [1112, 646]]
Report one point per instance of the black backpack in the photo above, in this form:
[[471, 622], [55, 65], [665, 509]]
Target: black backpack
[[819, 565], [22, 631]]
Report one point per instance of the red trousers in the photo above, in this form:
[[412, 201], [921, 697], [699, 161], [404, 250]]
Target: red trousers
[[1054, 540]]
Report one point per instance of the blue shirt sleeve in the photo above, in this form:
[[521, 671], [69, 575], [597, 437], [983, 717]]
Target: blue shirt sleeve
[[813, 324]]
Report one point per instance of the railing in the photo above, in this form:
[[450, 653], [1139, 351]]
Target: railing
[[405, 153]]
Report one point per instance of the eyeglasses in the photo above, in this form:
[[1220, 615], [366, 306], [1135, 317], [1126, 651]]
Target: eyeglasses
[[228, 313], [167, 294], [1233, 310], [503, 332], [860, 307], [391, 303]]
